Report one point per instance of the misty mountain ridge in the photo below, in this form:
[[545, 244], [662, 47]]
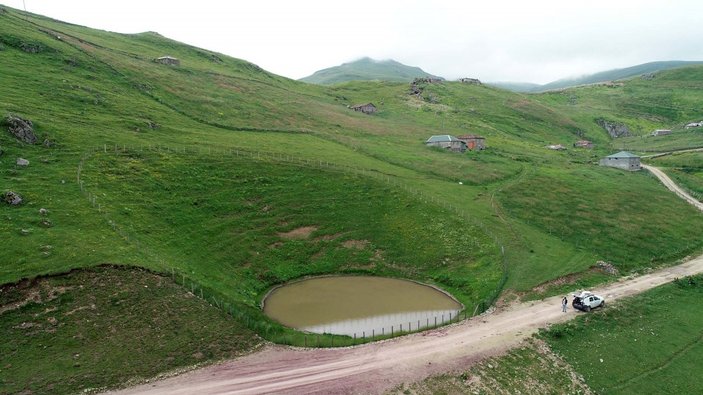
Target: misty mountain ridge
[[367, 69], [603, 76]]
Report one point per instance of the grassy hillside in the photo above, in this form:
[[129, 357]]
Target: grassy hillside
[[616, 74], [367, 69], [646, 69], [203, 171], [647, 344], [686, 170], [105, 326], [668, 101]]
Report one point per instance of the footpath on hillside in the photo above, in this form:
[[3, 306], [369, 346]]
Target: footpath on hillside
[[376, 367]]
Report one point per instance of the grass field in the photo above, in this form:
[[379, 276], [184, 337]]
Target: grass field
[[202, 171], [685, 169], [530, 369], [104, 327], [648, 344]]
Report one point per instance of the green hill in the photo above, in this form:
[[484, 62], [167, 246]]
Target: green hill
[[199, 171], [367, 69], [604, 76]]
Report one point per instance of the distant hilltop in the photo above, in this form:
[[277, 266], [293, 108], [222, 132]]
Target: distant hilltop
[[367, 69], [646, 70]]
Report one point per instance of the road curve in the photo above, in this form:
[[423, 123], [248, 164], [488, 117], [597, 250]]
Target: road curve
[[376, 367], [673, 187]]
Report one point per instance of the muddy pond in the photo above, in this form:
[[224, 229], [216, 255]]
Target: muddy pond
[[359, 306]]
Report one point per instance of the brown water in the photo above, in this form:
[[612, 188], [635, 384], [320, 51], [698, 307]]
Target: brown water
[[349, 305]]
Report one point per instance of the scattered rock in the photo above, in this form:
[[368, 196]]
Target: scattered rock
[[614, 129], [53, 321], [198, 355], [24, 232], [24, 325], [22, 162], [46, 222], [12, 198], [21, 128], [48, 143], [607, 267], [43, 212], [648, 76]]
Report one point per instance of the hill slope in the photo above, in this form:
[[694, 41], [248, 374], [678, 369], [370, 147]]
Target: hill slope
[[367, 69], [199, 171], [603, 76]]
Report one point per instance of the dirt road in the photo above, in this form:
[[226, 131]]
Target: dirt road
[[673, 187], [373, 368], [376, 367]]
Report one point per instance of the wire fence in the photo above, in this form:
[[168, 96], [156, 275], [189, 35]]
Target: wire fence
[[250, 316]]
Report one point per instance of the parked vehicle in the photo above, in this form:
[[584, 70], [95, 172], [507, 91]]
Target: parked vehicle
[[586, 301]]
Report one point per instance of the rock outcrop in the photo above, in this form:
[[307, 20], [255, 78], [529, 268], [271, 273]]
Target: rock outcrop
[[21, 128], [614, 129], [22, 162], [12, 198]]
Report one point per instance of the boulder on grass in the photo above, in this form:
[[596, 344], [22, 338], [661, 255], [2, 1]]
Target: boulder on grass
[[21, 128], [12, 198], [22, 162]]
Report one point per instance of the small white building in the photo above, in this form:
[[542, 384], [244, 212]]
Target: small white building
[[447, 142], [661, 132], [622, 160], [694, 125]]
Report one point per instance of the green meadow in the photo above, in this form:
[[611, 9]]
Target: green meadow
[[226, 180]]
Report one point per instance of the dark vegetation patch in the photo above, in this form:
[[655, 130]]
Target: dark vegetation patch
[[102, 327]]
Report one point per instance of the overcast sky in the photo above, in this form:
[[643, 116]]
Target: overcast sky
[[493, 40]]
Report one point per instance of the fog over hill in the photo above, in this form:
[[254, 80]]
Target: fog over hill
[[603, 76], [367, 69]]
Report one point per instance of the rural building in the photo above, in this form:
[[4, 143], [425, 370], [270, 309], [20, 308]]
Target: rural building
[[556, 147], [169, 60], [473, 142], [661, 132], [583, 144], [622, 160], [367, 108], [447, 142], [694, 125]]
